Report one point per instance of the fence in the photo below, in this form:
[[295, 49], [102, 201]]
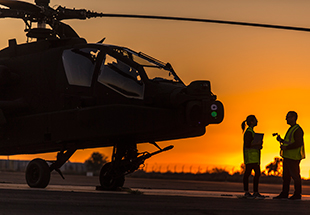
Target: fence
[[187, 168]]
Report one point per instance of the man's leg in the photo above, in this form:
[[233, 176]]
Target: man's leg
[[286, 176], [295, 173]]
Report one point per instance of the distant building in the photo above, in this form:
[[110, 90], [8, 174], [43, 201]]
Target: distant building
[[20, 166]]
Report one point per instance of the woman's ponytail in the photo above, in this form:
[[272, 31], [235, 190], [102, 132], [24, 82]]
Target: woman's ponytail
[[243, 125], [247, 121]]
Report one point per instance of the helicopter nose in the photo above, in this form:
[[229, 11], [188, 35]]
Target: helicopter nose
[[202, 113], [195, 113], [199, 88], [215, 113], [202, 108]]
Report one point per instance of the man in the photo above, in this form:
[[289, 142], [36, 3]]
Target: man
[[292, 152]]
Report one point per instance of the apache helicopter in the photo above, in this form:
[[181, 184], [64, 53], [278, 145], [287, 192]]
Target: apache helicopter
[[61, 94]]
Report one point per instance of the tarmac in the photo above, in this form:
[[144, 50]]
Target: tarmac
[[77, 195]]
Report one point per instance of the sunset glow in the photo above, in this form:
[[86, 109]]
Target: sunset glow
[[264, 72]]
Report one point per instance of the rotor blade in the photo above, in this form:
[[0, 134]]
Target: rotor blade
[[19, 5], [9, 13], [203, 20]]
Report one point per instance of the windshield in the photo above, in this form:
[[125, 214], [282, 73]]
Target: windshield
[[79, 65], [121, 77], [155, 69]]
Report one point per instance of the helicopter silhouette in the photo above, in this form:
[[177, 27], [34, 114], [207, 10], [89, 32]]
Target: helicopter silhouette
[[61, 94]]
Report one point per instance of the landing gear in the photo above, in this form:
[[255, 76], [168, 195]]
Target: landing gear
[[112, 175], [38, 173], [108, 181], [125, 160]]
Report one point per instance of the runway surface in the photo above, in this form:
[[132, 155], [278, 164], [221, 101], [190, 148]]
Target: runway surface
[[77, 195]]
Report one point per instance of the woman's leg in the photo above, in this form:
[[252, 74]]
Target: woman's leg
[[247, 173], [256, 168]]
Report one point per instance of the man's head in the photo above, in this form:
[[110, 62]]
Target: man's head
[[291, 117]]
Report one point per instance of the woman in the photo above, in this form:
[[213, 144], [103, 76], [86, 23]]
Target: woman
[[251, 156]]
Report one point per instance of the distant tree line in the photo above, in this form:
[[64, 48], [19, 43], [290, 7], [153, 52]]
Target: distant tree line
[[97, 160], [271, 174]]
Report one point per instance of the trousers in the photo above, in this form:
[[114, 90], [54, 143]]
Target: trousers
[[248, 170], [291, 170]]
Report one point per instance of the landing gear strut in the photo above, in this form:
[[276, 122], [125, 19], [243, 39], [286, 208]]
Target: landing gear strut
[[125, 160], [38, 172]]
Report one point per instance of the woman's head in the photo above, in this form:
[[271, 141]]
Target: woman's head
[[251, 121]]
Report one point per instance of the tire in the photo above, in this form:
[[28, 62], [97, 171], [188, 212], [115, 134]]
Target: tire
[[38, 173], [107, 181]]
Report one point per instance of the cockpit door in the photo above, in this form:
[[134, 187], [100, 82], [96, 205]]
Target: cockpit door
[[80, 66]]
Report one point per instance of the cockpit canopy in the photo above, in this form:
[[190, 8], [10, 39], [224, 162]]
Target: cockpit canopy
[[155, 69], [115, 73]]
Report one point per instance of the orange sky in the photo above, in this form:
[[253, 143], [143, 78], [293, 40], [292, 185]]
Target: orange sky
[[252, 70]]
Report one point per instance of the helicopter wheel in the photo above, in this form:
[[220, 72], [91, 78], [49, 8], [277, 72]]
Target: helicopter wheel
[[107, 181], [38, 173]]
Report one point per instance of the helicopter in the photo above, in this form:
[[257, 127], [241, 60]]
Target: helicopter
[[61, 94]]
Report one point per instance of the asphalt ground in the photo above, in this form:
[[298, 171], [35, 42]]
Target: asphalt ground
[[77, 195]]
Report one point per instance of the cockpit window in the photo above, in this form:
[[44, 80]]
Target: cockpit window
[[155, 69], [79, 65], [121, 77]]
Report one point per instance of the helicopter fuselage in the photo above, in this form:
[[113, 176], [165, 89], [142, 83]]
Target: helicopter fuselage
[[58, 93]]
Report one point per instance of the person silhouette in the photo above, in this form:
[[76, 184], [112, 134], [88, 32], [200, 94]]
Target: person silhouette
[[251, 157], [292, 151]]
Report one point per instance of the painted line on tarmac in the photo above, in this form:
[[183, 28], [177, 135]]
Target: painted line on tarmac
[[158, 192], [194, 193], [212, 194], [61, 188]]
